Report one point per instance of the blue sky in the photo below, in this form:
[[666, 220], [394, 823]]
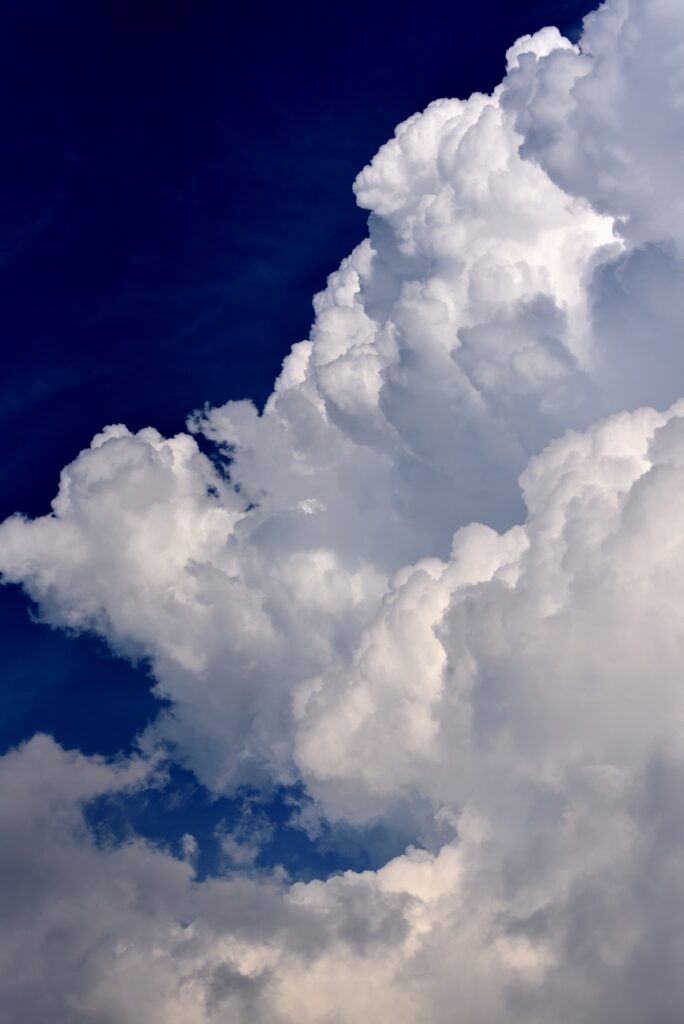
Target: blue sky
[[176, 186], [360, 701]]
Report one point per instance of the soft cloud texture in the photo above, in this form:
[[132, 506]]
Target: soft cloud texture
[[367, 601]]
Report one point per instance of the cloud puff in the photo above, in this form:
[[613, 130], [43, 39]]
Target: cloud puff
[[567, 905], [602, 122], [528, 652], [366, 601]]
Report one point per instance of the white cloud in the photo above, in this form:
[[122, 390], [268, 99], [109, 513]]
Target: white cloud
[[603, 122], [566, 905], [525, 655], [369, 606], [448, 348]]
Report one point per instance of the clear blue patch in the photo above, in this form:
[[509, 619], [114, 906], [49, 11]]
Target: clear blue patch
[[182, 806], [68, 686]]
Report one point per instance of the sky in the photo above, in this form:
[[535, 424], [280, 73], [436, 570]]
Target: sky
[[177, 186], [342, 640]]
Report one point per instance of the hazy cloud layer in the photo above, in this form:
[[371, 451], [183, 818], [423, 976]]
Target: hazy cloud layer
[[370, 603]]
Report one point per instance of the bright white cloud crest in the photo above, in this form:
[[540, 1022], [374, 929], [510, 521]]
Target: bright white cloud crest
[[366, 604]]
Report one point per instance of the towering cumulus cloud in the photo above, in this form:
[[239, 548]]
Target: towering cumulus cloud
[[438, 582]]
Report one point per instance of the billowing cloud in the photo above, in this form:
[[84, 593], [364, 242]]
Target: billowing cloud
[[439, 581], [446, 350]]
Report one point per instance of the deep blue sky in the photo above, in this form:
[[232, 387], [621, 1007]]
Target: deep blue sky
[[175, 185]]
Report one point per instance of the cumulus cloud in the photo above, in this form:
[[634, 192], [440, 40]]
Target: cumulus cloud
[[445, 351], [365, 599]]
